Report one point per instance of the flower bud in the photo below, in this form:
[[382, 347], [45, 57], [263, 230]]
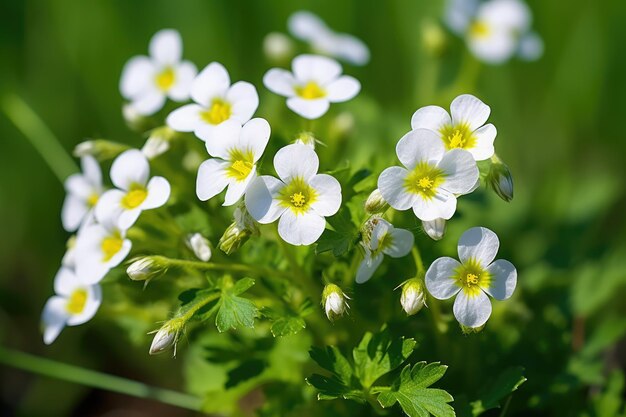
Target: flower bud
[[200, 246], [412, 298], [375, 203], [158, 142], [238, 232], [166, 336], [306, 138], [435, 228], [334, 301], [343, 124], [433, 37], [278, 47], [146, 268], [501, 180], [134, 120], [101, 149]]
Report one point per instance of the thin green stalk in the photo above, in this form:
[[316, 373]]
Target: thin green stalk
[[211, 266], [39, 135], [417, 258], [89, 378], [432, 303], [505, 409]]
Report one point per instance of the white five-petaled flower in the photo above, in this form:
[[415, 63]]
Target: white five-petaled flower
[[384, 240], [75, 302], [147, 81], [472, 279], [216, 102], [83, 191], [99, 248], [310, 28], [316, 82], [432, 177], [301, 198], [135, 192], [466, 129], [234, 166]]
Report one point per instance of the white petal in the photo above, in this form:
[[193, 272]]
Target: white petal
[[435, 229], [316, 68], [185, 118], [211, 178], [459, 13], [367, 267], [494, 49], [109, 207], [236, 189], [300, 229], [305, 25], [94, 299], [54, 317], [73, 212], [166, 47], [78, 186], [328, 194], [280, 81], [467, 109], [91, 171], [296, 160], [213, 81], [509, 15], [483, 149], [261, 199], [131, 167], [149, 103], [401, 243], [221, 139], [254, 136], [460, 169], [478, 244], [309, 109], [343, 88], [430, 117], [420, 145], [185, 73], [440, 280], [65, 281], [158, 193], [128, 218], [137, 75], [441, 206], [503, 279], [472, 310], [391, 186], [351, 49], [530, 47], [244, 101]]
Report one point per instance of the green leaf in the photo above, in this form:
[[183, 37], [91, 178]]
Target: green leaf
[[341, 384], [202, 300], [411, 391], [380, 354], [342, 239], [285, 321], [507, 382], [234, 311]]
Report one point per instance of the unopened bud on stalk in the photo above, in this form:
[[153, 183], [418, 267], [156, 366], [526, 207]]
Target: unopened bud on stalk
[[158, 142], [200, 246], [239, 231], [334, 301], [412, 298], [343, 124], [500, 179], [134, 120], [306, 138], [278, 47], [435, 228], [146, 268], [166, 336], [101, 149], [375, 203], [433, 37]]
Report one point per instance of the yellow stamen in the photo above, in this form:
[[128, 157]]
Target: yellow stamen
[[471, 279], [219, 111], [298, 199], [310, 91], [298, 196], [424, 180], [134, 197], [458, 136], [165, 79], [242, 164], [456, 140], [110, 246], [76, 302], [92, 199], [479, 29], [425, 183]]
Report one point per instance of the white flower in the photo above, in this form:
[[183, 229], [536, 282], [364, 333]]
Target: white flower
[[301, 198], [99, 248], [310, 28], [200, 246], [130, 173], [431, 178], [384, 240], [83, 191], [234, 166], [75, 303], [216, 101], [472, 279], [147, 81], [466, 129], [315, 83], [435, 229]]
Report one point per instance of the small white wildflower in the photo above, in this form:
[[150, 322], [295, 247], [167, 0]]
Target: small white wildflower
[[83, 192]]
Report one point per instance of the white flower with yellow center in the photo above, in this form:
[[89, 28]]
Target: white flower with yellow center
[[432, 177], [316, 82], [300, 200], [148, 81], [474, 278], [135, 192], [234, 166], [83, 191], [466, 129], [75, 303], [384, 240], [310, 28], [216, 102], [99, 248]]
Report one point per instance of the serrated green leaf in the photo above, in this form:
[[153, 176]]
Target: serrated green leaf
[[287, 322], [341, 384], [507, 382], [234, 311], [191, 299], [343, 236], [411, 391]]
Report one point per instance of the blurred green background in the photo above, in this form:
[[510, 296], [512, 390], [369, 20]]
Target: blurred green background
[[559, 129]]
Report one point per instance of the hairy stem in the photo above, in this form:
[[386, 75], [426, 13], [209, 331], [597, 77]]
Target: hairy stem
[[212, 266]]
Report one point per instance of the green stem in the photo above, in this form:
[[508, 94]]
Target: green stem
[[417, 258], [197, 306], [89, 378], [505, 409], [39, 135], [212, 266], [306, 281], [432, 303]]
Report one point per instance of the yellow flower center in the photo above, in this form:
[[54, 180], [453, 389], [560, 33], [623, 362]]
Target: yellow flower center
[[242, 164], [471, 277], [165, 79], [76, 302], [92, 200], [479, 29], [134, 197], [110, 246], [298, 199], [310, 91], [458, 136], [424, 180], [219, 111], [298, 196]]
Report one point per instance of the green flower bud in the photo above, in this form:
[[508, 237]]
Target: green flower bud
[[200, 246], [375, 203], [412, 298], [435, 228], [334, 301], [238, 233], [500, 179], [145, 269], [167, 336], [158, 142], [101, 149], [278, 47], [433, 37], [306, 138]]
